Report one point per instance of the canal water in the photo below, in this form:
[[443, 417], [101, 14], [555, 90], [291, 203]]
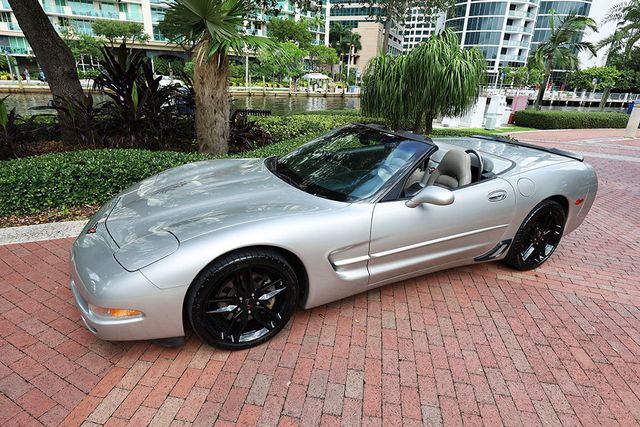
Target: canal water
[[279, 105]]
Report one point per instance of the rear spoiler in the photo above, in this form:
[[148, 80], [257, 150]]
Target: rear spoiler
[[511, 141]]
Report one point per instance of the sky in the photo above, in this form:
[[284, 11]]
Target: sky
[[598, 11]]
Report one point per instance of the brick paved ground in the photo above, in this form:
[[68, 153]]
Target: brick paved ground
[[484, 344]]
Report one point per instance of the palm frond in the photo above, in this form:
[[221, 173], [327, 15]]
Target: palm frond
[[216, 22]]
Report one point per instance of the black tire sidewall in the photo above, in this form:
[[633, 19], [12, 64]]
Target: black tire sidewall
[[212, 276], [513, 257]]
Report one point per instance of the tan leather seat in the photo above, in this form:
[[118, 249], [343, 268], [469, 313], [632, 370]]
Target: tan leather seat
[[453, 171]]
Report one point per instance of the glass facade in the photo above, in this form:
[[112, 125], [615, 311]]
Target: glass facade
[[507, 31]]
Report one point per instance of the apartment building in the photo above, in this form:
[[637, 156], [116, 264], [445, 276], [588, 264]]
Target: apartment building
[[79, 15]]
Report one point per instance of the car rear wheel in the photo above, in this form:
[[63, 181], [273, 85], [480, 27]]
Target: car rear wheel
[[538, 236], [243, 299]]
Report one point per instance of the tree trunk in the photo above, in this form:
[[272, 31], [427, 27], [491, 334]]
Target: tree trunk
[[56, 60], [543, 87], [212, 101], [386, 35], [428, 124], [418, 123]]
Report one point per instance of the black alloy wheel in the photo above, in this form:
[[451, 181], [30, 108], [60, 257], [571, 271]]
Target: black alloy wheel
[[243, 299], [538, 236]]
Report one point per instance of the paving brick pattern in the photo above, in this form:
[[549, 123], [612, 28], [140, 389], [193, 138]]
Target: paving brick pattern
[[469, 346]]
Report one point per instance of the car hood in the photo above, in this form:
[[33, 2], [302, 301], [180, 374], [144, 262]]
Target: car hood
[[206, 196]]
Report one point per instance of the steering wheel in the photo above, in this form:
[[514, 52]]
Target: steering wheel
[[480, 162]]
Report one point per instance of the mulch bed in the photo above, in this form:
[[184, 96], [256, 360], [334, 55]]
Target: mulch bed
[[55, 215]]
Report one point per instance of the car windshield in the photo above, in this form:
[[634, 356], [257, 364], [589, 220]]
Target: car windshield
[[349, 164]]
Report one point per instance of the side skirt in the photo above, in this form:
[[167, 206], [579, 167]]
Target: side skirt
[[495, 252]]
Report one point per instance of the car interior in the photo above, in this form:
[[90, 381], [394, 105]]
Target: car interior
[[457, 168]]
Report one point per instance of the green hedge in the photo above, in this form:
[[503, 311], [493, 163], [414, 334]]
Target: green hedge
[[284, 128], [76, 178], [552, 119]]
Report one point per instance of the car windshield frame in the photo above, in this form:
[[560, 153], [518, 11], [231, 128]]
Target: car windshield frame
[[403, 152]]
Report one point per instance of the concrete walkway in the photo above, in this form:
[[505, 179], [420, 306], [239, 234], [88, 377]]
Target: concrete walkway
[[34, 233]]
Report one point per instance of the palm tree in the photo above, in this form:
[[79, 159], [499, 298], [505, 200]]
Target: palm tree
[[437, 78], [626, 15], [344, 41], [211, 28], [562, 46]]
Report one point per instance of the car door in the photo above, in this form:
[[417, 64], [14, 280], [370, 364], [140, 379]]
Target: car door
[[406, 241]]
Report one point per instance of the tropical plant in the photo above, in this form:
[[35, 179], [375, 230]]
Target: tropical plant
[[119, 31], [287, 30], [7, 131], [345, 42], [562, 46], [247, 135], [523, 76], [211, 28], [321, 56], [55, 58], [626, 15], [316, 23], [605, 77], [437, 78], [139, 114], [81, 45], [168, 65], [286, 61]]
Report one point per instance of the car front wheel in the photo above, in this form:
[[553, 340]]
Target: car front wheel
[[538, 236], [242, 299]]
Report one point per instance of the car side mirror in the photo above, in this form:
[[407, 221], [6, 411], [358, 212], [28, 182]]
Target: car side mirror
[[432, 195]]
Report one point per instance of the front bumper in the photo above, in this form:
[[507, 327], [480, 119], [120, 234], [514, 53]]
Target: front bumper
[[98, 279]]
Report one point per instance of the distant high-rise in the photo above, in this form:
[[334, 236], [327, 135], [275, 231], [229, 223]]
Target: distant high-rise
[[561, 9], [417, 28], [503, 30], [508, 31]]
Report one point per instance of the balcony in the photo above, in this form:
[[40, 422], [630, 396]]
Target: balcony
[[4, 5], [515, 43], [135, 17], [514, 29], [15, 50], [95, 13], [512, 58], [517, 13], [54, 9], [9, 26]]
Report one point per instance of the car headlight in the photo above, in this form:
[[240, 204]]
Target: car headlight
[[146, 250]]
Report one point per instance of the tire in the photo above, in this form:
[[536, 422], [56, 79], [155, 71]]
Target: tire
[[242, 299], [538, 236]]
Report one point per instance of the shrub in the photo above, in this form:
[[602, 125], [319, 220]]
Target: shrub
[[88, 74], [76, 178], [283, 128], [570, 119]]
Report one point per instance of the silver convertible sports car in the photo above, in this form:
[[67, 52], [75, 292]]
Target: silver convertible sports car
[[232, 247]]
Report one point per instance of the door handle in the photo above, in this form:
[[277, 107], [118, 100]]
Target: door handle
[[498, 195]]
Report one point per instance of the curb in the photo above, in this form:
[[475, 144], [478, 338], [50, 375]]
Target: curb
[[39, 232]]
